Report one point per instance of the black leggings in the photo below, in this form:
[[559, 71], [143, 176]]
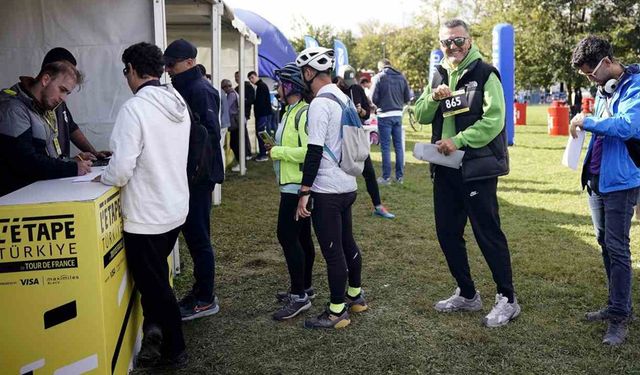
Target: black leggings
[[332, 222], [369, 174], [295, 238]]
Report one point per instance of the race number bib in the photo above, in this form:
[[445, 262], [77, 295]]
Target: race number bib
[[456, 103]]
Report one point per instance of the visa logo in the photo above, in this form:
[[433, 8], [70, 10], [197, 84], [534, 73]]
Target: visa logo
[[29, 281]]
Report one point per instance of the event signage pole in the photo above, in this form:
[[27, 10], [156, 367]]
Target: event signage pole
[[504, 61]]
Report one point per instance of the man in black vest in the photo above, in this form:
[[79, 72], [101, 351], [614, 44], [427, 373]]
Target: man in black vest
[[471, 120]]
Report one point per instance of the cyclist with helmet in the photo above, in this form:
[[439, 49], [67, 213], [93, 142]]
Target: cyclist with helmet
[[347, 83], [288, 155], [327, 192]]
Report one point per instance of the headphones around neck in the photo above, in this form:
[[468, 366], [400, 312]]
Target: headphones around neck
[[611, 85]]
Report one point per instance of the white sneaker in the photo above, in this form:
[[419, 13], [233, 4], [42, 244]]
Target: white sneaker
[[458, 303], [502, 312], [235, 168]]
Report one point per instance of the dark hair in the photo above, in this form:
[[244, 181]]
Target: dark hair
[[364, 80], [57, 68], [145, 58], [450, 24], [590, 51], [252, 73], [59, 54], [385, 62]]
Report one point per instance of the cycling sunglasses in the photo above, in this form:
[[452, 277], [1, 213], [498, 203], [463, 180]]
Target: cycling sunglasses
[[459, 42]]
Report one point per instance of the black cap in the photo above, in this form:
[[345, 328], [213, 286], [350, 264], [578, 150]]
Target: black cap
[[179, 50], [59, 54]]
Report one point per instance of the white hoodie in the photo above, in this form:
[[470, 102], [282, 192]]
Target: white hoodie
[[150, 142]]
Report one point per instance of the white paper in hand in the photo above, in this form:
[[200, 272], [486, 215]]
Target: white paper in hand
[[429, 152], [572, 152]]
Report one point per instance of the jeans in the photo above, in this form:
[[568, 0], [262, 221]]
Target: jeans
[[197, 234], [262, 124], [611, 214], [391, 128]]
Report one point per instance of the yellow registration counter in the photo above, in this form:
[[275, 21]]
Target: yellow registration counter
[[68, 305]]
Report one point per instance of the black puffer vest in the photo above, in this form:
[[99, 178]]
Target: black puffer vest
[[481, 163]]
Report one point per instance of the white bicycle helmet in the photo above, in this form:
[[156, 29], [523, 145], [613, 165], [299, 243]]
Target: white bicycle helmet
[[319, 58]]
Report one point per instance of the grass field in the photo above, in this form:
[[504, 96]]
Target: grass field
[[558, 275]]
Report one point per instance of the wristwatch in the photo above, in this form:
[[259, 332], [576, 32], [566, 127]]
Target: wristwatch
[[302, 193]]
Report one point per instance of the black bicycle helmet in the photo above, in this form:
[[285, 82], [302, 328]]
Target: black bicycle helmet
[[291, 73]]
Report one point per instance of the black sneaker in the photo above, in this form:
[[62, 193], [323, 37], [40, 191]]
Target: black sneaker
[[284, 296], [596, 316], [356, 304], [191, 308], [176, 362], [149, 354], [616, 331], [329, 320], [292, 307]]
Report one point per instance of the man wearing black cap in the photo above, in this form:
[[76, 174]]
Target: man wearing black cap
[[204, 101], [68, 130]]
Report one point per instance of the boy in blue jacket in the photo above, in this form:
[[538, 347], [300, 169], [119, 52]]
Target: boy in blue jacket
[[613, 190]]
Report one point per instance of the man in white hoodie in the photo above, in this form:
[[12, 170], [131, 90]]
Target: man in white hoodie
[[150, 143]]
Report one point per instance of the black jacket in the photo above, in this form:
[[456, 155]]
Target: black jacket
[[357, 95], [249, 98], [262, 106], [204, 101], [485, 162], [27, 152], [66, 126]]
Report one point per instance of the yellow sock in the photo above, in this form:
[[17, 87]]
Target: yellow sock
[[353, 292], [336, 308]]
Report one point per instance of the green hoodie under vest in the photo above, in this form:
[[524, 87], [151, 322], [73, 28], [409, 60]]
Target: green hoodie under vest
[[484, 130]]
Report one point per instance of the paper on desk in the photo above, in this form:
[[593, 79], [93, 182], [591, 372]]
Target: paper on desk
[[429, 152], [89, 176], [572, 152]]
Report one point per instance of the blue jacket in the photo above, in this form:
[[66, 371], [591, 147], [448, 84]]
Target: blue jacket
[[391, 90], [204, 101], [618, 171]]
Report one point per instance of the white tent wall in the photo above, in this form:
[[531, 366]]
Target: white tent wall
[[96, 32]]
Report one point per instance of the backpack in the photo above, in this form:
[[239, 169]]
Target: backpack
[[200, 156], [354, 140]]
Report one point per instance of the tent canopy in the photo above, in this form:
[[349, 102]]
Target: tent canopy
[[274, 50]]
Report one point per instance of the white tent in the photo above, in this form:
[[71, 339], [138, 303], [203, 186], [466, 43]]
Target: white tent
[[97, 32]]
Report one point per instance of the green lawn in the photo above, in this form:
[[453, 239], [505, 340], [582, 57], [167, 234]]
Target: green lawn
[[557, 268]]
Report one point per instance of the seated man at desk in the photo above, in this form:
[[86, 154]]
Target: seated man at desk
[[29, 146]]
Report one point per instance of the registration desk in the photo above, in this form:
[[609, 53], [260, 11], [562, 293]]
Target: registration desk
[[68, 302]]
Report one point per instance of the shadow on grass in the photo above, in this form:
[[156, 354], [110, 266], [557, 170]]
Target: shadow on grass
[[557, 273]]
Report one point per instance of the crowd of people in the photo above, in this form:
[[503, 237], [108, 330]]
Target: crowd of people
[[151, 146]]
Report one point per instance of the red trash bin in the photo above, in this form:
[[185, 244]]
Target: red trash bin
[[587, 105], [558, 118], [520, 113]]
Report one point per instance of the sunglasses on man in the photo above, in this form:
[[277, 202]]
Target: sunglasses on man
[[459, 42], [593, 72]]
